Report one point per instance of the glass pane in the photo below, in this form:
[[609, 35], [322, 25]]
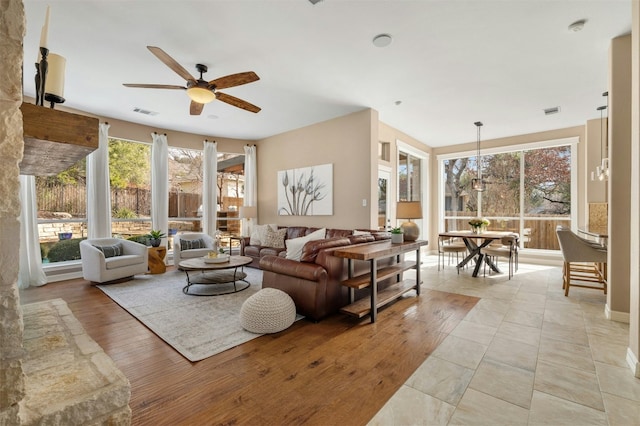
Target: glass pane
[[548, 182], [459, 200], [185, 187], [231, 193], [62, 212], [502, 175], [382, 203]]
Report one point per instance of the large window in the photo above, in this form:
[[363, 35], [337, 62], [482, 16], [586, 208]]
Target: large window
[[62, 213], [529, 191]]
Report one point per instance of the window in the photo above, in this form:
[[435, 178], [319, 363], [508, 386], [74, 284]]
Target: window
[[185, 190], [129, 179], [62, 213], [529, 191]]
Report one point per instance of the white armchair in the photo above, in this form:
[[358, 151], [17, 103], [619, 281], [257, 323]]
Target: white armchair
[[190, 245], [108, 259]]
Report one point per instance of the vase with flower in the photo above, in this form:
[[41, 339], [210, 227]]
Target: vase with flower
[[479, 225]]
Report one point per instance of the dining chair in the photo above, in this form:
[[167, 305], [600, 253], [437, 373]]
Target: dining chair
[[585, 262], [449, 245], [507, 248]]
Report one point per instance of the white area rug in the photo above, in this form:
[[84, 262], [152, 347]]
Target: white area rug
[[196, 326]]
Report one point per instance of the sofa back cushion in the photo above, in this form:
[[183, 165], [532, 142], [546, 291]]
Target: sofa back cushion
[[274, 239], [333, 233], [297, 231], [312, 248], [362, 238]]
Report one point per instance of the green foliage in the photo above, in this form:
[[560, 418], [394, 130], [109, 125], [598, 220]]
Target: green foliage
[[142, 239], [65, 250], [129, 163], [74, 175], [156, 234], [397, 230], [124, 213]]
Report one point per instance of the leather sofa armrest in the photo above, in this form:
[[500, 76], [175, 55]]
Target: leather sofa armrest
[[244, 242], [280, 265]]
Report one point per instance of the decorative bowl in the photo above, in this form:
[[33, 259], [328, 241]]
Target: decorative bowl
[[220, 259]]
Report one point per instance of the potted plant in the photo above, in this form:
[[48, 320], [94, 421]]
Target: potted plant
[[397, 235], [155, 237]]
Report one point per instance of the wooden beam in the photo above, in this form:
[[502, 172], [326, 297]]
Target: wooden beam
[[55, 140]]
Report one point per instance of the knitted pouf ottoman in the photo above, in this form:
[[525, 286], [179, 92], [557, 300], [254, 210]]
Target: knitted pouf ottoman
[[268, 311]]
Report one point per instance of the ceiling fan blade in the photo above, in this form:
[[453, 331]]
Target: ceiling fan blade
[[195, 108], [155, 86], [236, 102], [235, 80], [171, 63]]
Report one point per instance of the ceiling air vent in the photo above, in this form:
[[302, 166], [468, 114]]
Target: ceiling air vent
[[144, 111], [549, 111]]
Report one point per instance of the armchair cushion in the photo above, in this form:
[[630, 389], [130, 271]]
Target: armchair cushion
[[110, 251], [198, 243]]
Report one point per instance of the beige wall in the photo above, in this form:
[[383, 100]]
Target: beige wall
[[346, 142], [620, 176], [633, 354]]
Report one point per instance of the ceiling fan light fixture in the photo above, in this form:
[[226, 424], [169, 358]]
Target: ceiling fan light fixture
[[201, 95]]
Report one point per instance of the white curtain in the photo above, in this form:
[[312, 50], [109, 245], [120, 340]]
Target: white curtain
[[210, 187], [98, 189], [31, 272], [250, 178], [160, 183], [250, 183]]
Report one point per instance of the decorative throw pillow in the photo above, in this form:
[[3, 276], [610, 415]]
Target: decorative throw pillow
[[274, 239], [198, 243], [111, 251], [356, 232], [258, 234], [295, 245]]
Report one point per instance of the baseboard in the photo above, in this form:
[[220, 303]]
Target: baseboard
[[616, 316], [632, 360]]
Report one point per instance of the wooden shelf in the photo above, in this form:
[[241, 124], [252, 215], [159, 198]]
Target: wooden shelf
[[362, 307], [55, 140], [364, 280]]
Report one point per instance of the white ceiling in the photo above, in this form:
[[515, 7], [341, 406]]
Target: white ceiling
[[451, 62]]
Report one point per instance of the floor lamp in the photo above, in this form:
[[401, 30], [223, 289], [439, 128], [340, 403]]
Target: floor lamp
[[409, 210]]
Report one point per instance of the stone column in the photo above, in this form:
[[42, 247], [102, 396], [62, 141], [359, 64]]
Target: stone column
[[12, 31]]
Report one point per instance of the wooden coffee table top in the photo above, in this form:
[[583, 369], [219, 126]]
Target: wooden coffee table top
[[199, 263]]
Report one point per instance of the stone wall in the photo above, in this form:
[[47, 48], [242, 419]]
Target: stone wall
[[12, 382]]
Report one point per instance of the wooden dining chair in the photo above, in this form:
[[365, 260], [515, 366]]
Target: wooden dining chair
[[585, 262], [507, 248], [450, 246]]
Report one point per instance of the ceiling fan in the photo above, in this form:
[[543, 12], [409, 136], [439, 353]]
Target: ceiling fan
[[199, 90]]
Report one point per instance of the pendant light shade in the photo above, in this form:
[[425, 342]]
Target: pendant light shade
[[602, 170], [478, 184]]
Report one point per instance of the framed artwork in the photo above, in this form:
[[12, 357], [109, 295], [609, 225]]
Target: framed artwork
[[307, 191]]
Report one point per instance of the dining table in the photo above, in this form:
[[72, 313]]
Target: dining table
[[474, 243]]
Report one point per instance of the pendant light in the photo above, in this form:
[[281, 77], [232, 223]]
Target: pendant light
[[478, 184]]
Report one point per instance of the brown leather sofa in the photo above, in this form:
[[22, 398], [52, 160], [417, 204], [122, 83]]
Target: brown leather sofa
[[314, 282], [257, 252]]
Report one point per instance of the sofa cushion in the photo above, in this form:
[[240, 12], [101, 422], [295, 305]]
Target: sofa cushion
[[312, 248], [298, 231], [197, 243], [116, 262], [364, 238], [356, 232], [258, 234], [274, 238], [270, 251], [111, 250], [294, 245], [190, 254]]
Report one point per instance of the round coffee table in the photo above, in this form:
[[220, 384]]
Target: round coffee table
[[200, 272]]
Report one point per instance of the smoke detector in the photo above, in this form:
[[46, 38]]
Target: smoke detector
[[577, 26]]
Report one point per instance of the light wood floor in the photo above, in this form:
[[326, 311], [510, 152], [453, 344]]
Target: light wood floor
[[337, 371]]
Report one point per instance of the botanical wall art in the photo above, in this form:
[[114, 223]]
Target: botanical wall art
[[307, 191]]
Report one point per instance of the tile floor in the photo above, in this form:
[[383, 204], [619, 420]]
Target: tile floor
[[525, 354]]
